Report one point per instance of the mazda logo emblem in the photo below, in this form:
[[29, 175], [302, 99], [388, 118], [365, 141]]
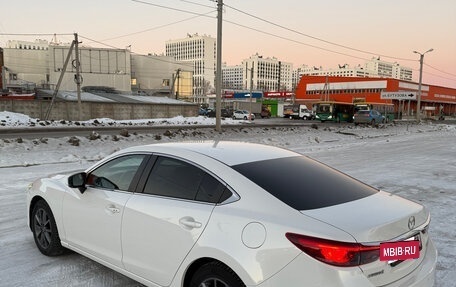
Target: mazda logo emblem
[[411, 222]]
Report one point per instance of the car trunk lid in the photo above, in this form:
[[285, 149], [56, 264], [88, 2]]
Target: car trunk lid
[[376, 219]]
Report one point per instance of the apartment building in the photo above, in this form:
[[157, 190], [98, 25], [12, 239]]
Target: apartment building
[[371, 68], [200, 51], [269, 74], [232, 77]]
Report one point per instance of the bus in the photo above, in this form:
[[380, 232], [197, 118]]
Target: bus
[[334, 111]]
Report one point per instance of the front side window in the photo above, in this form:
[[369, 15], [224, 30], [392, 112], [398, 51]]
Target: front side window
[[178, 179], [117, 173]]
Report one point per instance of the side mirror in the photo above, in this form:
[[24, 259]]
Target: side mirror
[[78, 181]]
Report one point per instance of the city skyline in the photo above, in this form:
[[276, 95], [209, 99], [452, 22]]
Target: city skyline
[[325, 33]]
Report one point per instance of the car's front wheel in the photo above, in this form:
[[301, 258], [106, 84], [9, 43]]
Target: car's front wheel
[[215, 274], [45, 231]]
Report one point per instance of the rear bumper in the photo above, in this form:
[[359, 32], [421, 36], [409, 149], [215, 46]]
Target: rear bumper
[[303, 271], [424, 275]]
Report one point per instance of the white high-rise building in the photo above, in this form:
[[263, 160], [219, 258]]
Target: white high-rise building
[[342, 71], [385, 69], [269, 74], [232, 77], [201, 52], [372, 68]]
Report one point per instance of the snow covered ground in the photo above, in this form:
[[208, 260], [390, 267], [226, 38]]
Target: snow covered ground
[[416, 161]]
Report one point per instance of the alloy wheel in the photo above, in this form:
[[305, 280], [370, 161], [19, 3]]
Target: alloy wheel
[[213, 282], [42, 228]]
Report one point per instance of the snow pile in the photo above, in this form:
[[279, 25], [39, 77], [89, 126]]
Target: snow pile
[[9, 119], [14, 119]]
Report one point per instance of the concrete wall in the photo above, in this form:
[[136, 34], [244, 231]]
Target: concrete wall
[[92, 110]]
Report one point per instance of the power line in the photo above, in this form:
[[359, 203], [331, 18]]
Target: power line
[[315, 38], [288, 29], [156, 28], [147, 56], [233, 23], [169, 8], [427, 65], [292, 40], [34, 34]]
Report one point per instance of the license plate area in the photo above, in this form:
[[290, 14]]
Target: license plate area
[[397, 252]]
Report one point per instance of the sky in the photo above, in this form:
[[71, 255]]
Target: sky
[[324, 33], [382, 157]]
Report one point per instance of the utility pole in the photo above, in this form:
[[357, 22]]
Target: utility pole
[[418, 103], [77, 77], [218, 78], [59, 82], [251, 91]]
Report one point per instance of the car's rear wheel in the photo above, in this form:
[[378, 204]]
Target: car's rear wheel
[[215, 274], [45, 231]]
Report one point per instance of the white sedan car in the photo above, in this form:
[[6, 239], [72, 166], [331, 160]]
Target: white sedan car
[[232, 214], [243, 115]]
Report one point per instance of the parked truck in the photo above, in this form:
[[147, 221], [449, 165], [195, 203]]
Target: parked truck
[[297, 111], [253, 107]]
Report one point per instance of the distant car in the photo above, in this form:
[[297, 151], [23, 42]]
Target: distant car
[[230, 214], [370, 117], [202, 112], [243, 115], [265, 113], [225, 113]]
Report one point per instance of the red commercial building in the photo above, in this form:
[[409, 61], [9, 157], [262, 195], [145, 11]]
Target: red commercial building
[[435, 100]]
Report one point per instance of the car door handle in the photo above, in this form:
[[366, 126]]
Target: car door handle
[[189, 222], [113, 209]]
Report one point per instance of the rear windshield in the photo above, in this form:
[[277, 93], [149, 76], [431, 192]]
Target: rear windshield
[[303, 183], [363, 112]]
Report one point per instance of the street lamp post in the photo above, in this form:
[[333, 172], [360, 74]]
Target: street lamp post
[[418, 104]]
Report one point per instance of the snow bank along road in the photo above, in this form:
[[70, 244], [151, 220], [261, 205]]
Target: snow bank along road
[[415, 161]]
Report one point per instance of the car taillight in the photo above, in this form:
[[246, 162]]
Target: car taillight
[[335, 253]]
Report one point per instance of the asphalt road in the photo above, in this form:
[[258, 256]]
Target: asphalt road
[[57, 132], [37, 132]]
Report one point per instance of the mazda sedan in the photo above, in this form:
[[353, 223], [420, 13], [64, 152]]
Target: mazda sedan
[[232, 214]]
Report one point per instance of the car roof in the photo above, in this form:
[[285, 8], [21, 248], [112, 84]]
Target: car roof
[[228, 152]]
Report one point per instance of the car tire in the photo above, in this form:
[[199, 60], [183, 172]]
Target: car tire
[[44, 230], [215, 274], [304, 118], [245, 118]]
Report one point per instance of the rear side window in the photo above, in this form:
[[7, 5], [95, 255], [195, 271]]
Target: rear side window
[[178, 179], [303, 183]]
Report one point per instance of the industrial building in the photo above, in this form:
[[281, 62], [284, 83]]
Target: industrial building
[[435, 100]]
